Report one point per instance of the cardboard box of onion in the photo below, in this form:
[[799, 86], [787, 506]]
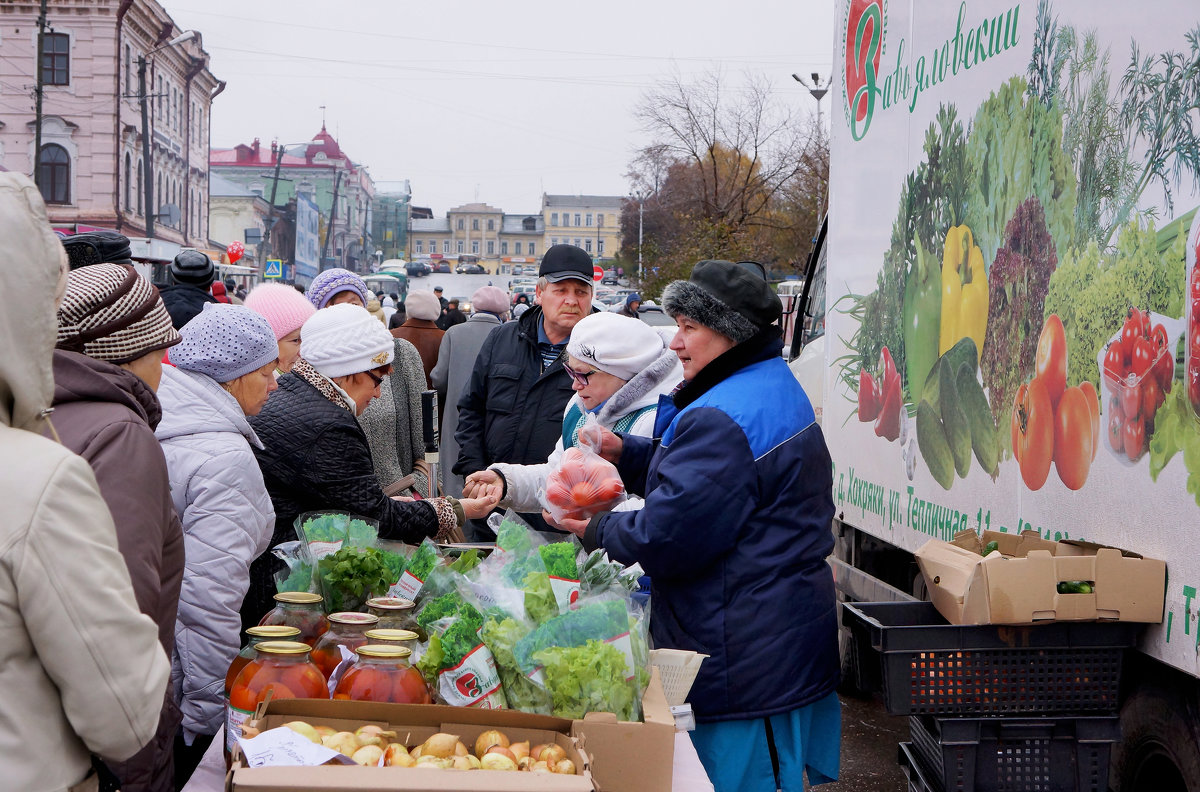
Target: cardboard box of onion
[[607, 755]]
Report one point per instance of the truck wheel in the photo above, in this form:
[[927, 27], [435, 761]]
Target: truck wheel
[[1160, 743]]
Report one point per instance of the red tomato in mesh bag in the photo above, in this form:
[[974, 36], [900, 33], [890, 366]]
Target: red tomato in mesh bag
[[584, 484]]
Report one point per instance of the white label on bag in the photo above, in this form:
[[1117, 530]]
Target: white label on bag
[[407, 587], [322, 549], [472, 682], [624, 643], [566, 593], [234, 718]]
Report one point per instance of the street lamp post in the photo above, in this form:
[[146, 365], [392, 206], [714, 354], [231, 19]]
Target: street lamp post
[[818, 92], [148, 170], [641, 196]]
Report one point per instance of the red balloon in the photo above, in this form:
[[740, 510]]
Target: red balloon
[[235, 251]]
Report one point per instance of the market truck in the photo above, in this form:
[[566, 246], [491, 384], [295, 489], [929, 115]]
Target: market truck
[[1012, 306]]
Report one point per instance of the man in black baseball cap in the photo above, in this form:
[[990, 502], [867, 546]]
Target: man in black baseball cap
[[511, 410]]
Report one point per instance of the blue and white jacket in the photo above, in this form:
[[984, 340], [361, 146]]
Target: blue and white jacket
[[734, 534]]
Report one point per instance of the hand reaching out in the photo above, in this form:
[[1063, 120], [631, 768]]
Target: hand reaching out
[[480, 479]]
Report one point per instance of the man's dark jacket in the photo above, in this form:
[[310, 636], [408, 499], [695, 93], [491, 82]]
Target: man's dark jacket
[[511, 411], [315, 457], [184, 302]]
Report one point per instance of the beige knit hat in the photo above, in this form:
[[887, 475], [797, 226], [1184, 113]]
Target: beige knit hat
[[111, 313]]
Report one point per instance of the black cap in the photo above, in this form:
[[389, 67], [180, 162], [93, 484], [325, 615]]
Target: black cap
[[97, 247], [194, 268], [566, 261]]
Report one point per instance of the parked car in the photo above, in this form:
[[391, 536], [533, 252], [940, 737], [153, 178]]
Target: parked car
[[610, 277], [469, 269], [654, 315], [518, 269], [442, 267]]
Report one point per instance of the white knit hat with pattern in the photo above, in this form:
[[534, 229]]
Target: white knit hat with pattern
[[344, 339], [615, 344]]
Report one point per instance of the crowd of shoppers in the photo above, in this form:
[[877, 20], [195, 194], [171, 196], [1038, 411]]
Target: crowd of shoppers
[[154, 445]]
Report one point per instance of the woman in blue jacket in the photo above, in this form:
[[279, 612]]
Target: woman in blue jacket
[[734, 535]]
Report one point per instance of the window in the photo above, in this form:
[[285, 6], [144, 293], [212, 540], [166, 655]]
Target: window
[[474, 247], [587, 245], [503, 248], [54, 171], [529, 224], [577, 242], [554, 240], [554, 218], [533, 248], [141, 189], [600, 246], [128, 182], [420, 245], [491, 247], [445, 246], [588, 220], [474, 223], [491, 225], [56, 59], [461, 249], [128, 70], [600, 219], [517, 245], [577, 223], [158, 100], [460, 224]]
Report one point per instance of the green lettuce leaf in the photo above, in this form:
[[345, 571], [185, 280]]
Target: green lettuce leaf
[[588, 678]]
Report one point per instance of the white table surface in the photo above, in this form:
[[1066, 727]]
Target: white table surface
[[688, 776]]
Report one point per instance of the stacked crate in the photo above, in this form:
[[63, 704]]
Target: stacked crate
[[993, 707]]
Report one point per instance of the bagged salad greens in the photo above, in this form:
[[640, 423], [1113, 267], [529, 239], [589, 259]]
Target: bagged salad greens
[[456, 662]]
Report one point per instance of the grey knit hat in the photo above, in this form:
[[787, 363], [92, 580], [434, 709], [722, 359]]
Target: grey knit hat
[[225, 342], [732, 299]]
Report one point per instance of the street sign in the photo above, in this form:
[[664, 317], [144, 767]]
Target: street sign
[[274, 269], [597, 272]]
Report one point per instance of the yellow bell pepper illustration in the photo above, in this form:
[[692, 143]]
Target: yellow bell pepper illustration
[[964, 291]]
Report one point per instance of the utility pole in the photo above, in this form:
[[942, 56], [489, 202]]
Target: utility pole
[[641, 207], [337, 183], [271, 217], [38, 91], [148, 172]]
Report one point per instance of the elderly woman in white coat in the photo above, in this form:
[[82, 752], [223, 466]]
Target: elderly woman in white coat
[[223, 372], [619, 368]]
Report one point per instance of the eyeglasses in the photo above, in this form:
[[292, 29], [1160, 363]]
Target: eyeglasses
[[580, 376], [376, 378]]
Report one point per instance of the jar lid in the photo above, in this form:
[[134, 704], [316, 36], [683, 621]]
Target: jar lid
[[383, 652], [391, 603], [298, 597], [353, 617], [388, 634], [276, 631], [283, 647]]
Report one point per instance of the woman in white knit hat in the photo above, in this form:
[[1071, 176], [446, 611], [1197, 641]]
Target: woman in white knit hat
[[223, 370], [619, 368], [315, 454]]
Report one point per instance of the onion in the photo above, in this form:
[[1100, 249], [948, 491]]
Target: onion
[[553, 754], [304, 730], [540, 767], [496, 761], [519, 749], [564, 766], [500, 749], [488, 739], [440, 745], [368, 755]]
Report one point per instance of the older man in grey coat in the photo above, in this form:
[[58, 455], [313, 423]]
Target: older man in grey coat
[[456, 359]]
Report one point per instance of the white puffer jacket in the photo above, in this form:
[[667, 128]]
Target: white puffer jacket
[[525, 482], [227, 519]]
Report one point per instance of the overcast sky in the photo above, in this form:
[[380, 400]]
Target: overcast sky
[[490, 101]]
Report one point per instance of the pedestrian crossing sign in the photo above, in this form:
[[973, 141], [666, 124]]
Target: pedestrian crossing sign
[[274, 269]]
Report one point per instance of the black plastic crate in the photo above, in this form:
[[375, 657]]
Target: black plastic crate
[[913, 770], [928, 666], [1015, 755]]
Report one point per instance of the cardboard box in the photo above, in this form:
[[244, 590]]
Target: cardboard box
[[414, 723], [1019, 585], [628, 756]]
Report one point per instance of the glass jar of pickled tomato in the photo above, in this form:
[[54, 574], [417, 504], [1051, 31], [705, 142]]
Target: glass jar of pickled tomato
[[254, 636], [283, 669], [346, 628], [300, 609], [383, 673], [395, 613], [391, 637]]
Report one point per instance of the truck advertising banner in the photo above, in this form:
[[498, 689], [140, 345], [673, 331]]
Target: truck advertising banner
[[1013, 301]]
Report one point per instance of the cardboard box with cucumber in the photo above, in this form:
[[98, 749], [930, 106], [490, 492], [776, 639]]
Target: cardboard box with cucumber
[[1029, 579]]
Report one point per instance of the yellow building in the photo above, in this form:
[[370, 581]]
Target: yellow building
[[592, 222], [479, 233]]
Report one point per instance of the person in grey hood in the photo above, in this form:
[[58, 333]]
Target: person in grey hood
[[112, 330], [224, 370], [81, 669]]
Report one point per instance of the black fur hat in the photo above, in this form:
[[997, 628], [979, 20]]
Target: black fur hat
[[731, 298]]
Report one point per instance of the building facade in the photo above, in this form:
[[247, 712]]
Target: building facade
[[319, 170], [90, 168], [478, 233], [391, 214], [592, 222], [237, 215]]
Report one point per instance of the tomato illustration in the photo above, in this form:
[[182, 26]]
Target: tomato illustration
[[1116, 427], [1131, 331], [1134, 435], [1114, 362], [1073, 443], [1093, 402], [1152, 398], [1052, 357], [1142, 358], [1035, 434]]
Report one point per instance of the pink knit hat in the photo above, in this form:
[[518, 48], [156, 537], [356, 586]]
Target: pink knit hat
[[284, 308]]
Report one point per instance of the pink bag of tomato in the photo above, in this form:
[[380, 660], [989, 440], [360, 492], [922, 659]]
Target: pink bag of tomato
[[584, 483]]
